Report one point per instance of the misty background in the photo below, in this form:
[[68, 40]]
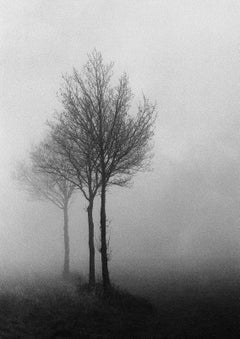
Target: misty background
[[184, 214]]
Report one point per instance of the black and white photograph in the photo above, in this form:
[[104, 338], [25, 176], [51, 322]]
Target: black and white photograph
[[120, 169]]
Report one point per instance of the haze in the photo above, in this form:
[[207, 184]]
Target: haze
[[183, 215]]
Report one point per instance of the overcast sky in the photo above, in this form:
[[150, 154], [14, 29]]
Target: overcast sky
[[185, 55]]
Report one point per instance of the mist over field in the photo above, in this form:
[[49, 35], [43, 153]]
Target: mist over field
[[185, 211], [178, 224]]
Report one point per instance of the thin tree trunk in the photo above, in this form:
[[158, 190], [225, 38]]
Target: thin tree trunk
[[91, 245], [104, 254], [66, 266]]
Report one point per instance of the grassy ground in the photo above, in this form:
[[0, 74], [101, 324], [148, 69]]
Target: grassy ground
[[188, 310], [58, 309], [53, 308]]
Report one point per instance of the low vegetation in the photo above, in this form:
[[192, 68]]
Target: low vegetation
[[54, 308]]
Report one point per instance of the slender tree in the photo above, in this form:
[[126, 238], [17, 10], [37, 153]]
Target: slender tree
[[118, 141], [63, 154], [49, 187]]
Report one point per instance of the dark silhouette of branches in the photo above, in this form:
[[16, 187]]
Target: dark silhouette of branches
[[97, 120]]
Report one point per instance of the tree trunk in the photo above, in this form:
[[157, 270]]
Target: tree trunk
[[91, 245], [104, 254], [66, 265]]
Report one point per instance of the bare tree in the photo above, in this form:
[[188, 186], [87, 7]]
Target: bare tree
[[118, 141], [63, 154], [49, 187]]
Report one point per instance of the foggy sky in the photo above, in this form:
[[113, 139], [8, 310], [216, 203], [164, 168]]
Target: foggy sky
[[185, 55]]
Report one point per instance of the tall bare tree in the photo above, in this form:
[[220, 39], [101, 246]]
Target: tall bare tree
[[45, 186], [118, 141]]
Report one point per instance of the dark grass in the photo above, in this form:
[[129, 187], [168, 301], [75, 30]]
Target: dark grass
[[53, 308], [190, 310]]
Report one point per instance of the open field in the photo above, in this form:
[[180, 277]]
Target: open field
[[53, 308]]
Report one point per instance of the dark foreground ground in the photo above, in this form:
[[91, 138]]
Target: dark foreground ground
[[56, 309], [206, 313], [50, 308]]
